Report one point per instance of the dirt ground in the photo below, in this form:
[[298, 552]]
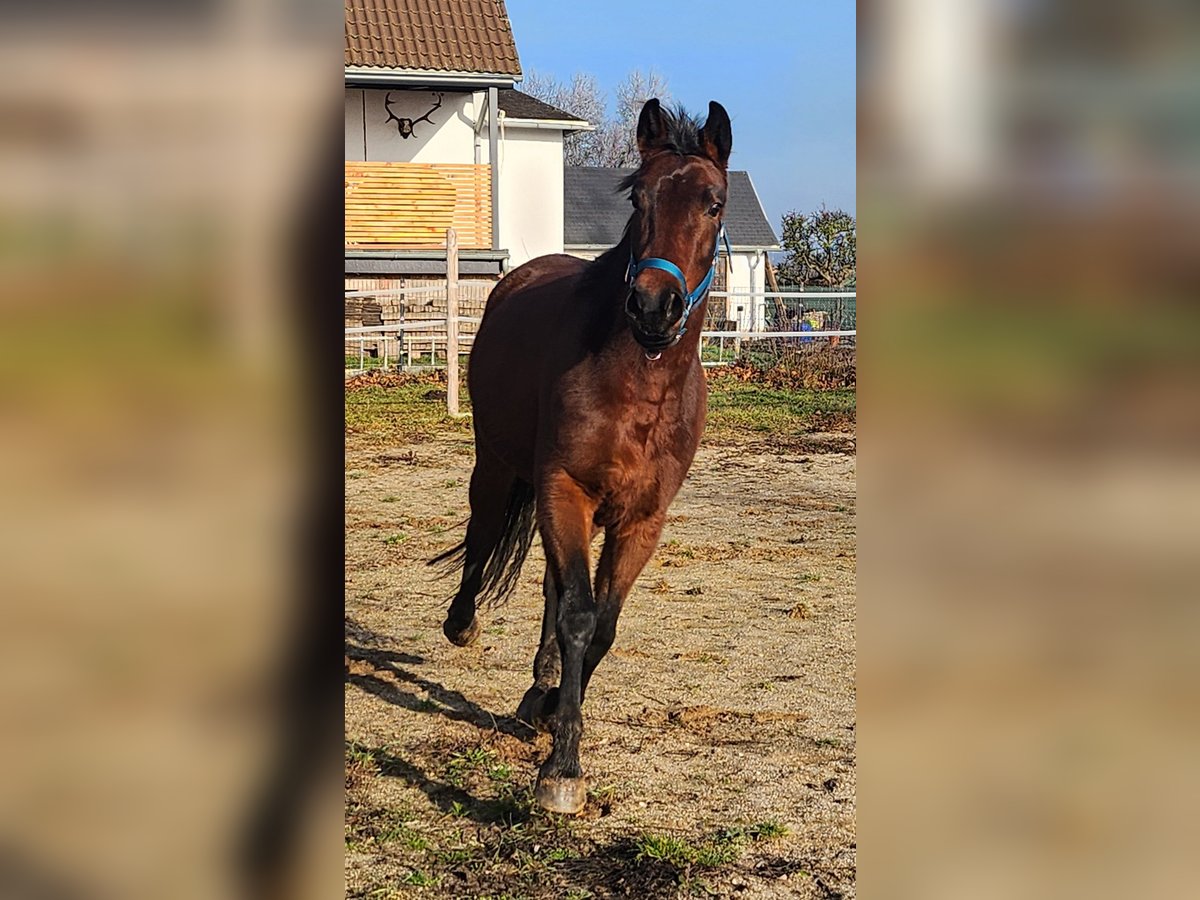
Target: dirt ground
[[719, 733]]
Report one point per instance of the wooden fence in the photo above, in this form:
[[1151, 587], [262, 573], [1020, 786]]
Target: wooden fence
[[413, 204], [436, 321]]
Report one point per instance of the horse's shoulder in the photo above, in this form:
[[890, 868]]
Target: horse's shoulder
[[540, 270]]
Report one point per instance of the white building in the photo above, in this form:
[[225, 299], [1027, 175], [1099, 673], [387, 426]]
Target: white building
[[437, 137]]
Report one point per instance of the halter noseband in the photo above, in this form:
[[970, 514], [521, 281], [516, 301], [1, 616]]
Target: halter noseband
[[691, 298]]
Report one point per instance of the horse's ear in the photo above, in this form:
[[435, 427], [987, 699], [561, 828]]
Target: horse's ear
[[718, 134], [651, 127]]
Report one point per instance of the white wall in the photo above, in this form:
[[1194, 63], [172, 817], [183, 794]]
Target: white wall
[[355, 148], [746, 276], [450, 138], [531, 192], [530, 165]]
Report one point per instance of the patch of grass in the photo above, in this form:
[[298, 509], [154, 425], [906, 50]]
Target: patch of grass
[[417, 878], [712, 852], [664, 847], [475, 759], [369, 827], [357, 754], [379, 415], [766, 830], [413, 840], [500, 772], [391, 499], [741, 409], [406, 410], [393, 540], [682, 853], [605, 793]]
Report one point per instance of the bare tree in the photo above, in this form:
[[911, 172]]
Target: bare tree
[[583, 98], [613, 142], [632, 94]]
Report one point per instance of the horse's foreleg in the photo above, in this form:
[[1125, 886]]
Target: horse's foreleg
[[627, 549], [565, 515]]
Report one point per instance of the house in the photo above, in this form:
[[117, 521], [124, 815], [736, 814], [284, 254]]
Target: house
[[596, 210], [437, 136]]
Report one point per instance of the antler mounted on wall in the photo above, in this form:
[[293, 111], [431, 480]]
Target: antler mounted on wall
[[405, 126]]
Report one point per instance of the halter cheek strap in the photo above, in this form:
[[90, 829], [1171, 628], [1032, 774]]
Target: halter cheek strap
[[690, 298]]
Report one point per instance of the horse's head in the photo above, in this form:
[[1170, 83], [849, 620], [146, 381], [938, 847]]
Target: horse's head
[[678, 196]]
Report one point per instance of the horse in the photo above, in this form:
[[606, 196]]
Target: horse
[[589, 400]]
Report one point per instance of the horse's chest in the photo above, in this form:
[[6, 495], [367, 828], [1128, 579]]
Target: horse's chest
[[642, 463]]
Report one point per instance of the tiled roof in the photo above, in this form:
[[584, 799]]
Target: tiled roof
[[517, 105], [440, 35], [595, 210]]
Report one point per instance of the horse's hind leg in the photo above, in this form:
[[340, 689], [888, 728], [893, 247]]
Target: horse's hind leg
[[547, 665], [491, 484]]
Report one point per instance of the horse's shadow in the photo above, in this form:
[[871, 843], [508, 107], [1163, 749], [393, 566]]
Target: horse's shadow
[[391, 667], [442, 701]]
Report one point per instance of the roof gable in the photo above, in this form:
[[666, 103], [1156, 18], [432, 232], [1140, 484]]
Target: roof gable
[[431, 35], [519, 105], [595, 210]]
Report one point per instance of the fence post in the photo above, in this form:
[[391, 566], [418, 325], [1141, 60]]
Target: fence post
[[451, 322]]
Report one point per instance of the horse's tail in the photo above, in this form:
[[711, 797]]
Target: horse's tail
[[502, 567]]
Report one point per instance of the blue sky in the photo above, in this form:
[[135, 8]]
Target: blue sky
[[784, 70]]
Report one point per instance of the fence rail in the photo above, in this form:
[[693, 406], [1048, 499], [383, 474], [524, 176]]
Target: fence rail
[[427, 336]]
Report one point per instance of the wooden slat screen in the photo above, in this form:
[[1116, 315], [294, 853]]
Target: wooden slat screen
[[412, 204]]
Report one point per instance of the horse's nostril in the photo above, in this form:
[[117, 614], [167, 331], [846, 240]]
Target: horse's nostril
[[676, 305], [632, 307]]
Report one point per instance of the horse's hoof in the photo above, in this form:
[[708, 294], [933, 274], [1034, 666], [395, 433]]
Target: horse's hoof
[[532, 709], [464, 637], [561, 795]]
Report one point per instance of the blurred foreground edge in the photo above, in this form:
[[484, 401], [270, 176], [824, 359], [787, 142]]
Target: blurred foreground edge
[[1029, 415]]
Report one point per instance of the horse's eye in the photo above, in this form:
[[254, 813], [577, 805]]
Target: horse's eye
[[714, 210]]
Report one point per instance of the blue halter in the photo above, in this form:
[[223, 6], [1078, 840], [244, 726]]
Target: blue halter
[[691, 298]]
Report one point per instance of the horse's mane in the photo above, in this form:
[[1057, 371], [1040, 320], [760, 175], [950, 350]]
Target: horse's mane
[[597, 283], [682, 138]]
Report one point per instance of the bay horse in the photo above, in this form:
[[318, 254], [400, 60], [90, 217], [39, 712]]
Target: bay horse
[[589, 400]]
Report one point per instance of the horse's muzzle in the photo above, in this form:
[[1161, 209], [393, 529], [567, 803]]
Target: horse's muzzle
[[654, 316]]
